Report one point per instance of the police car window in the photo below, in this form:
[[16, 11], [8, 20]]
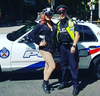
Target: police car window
[[81, 33], [88, 34], [16, 34]]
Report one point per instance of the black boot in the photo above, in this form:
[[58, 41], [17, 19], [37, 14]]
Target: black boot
[[45, 87], [75, 91], [50, 87]]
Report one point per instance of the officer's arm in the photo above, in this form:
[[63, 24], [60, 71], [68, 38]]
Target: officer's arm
[[77, 36], [75, 42]]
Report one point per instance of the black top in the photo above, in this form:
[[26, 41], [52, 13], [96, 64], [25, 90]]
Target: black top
[[44, 30]]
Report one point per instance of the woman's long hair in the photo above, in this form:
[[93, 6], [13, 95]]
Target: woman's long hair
[[42, 20]]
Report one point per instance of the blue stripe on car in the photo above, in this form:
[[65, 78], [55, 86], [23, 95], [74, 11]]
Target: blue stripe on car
[[33, 67]]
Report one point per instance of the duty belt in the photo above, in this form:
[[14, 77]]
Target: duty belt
[[66, 43]]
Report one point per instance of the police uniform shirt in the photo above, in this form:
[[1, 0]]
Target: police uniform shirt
[[63, 34]]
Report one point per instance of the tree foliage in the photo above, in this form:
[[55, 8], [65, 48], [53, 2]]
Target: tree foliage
[[77, 8]]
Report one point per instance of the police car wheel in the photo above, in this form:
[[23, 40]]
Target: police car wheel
[[95, 68]]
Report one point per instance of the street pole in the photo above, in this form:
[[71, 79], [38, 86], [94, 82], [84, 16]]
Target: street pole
[[52, 3], [99, 9], [91, 13]]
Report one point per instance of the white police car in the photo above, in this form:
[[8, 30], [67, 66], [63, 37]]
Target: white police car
[[16, 55]]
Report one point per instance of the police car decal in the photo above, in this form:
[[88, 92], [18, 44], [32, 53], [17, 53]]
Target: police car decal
[[37, 66], [87, 51], [29, 53], [94, 50], [4, 53], [98, 33]]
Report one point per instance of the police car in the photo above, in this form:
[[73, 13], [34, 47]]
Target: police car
[[16, 54]]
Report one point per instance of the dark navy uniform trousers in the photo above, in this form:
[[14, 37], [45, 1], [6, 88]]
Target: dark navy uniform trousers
[[66, 58]]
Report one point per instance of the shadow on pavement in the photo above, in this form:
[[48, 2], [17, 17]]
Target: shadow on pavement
[[84, 77], [21, 76]]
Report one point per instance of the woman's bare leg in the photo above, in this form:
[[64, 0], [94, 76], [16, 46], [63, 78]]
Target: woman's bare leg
[[50, 64], [46, 68]]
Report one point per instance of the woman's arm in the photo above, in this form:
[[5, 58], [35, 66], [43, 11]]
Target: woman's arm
[[34, 34]]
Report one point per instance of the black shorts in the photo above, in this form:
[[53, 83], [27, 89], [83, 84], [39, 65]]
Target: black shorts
[[47, 48]]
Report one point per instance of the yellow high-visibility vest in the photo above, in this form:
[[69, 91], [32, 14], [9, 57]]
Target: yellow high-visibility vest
[[69, 29]]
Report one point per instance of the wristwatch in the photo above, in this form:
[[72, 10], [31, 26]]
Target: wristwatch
[[74, 46]]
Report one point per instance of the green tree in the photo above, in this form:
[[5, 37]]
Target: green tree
[[77, 8]]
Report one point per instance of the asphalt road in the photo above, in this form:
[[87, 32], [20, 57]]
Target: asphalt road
[[29, 84]]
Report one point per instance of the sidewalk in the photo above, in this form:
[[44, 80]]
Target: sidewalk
[[9, 29]]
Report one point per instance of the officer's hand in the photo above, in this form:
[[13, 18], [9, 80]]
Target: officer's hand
[[42, 43], [72, 50]]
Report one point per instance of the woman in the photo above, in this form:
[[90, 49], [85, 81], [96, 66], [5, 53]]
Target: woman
[[46, 40]]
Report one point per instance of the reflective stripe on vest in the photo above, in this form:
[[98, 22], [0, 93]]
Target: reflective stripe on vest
[[70, 29]]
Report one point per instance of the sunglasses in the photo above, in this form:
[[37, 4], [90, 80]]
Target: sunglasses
[[61, 13], [48, 14]]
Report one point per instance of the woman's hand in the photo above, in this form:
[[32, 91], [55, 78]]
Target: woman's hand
[[42, 43]]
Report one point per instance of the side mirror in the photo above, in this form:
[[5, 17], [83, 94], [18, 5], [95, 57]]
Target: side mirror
[[22, 40], [25, 39]]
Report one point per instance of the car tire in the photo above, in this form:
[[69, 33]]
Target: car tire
[[95, 68]]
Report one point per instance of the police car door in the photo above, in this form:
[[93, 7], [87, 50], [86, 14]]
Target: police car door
[[87, 39], [26, 56]]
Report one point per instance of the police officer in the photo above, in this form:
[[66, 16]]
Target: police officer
[[67, 38]]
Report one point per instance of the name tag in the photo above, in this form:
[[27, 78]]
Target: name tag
[[72, 29]]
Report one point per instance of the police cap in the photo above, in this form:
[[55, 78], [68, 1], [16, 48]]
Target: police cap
[[48, 11], [61, 8]]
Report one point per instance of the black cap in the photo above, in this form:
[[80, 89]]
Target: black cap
[[48, 11], [61, 8]]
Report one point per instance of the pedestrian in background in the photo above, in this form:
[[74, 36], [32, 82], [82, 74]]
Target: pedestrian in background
[[67, 38], [47, 44]]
